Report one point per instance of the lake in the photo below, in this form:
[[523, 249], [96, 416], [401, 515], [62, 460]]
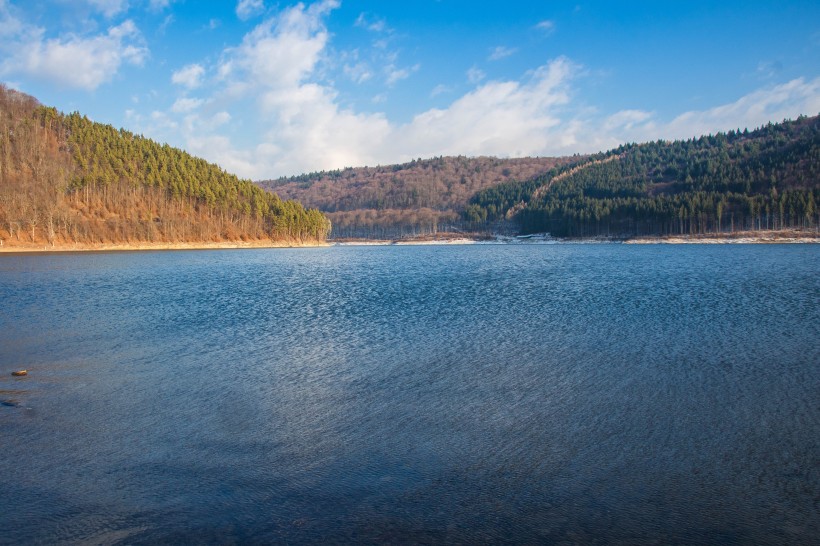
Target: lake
[[412, 394]]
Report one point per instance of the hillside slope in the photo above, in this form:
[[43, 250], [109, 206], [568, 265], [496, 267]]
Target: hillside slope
[[413, 198], [67, 180], [764, 179]]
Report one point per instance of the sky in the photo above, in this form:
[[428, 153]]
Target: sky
[[268, 89]]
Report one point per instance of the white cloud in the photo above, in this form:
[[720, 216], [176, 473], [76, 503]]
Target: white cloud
[[276, 67], [72, 61], [273, 67], [310, 131], [281, 51], [547, 26], [776, 103], [220, 118], [189, 76], [245, 9], [501, 52], [505, 118]]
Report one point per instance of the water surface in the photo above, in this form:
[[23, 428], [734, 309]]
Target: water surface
[[529, 393]]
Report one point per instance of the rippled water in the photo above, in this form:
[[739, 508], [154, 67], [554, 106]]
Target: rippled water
[[544, 393]]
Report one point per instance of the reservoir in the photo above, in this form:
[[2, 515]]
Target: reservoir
[[531, 393]]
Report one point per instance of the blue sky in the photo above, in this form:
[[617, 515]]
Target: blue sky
[[268, 89]]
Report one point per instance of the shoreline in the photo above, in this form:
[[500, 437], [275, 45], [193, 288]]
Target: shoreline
[[744, 237], [759, 237], [740, 237], [148, 246]]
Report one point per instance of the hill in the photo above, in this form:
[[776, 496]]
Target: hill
[[414, 198], [67, 180], [765, 179]]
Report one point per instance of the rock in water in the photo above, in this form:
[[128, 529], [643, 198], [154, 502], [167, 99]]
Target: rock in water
[[19, 373]]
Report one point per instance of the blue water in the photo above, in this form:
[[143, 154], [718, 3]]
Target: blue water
[[470, 394]]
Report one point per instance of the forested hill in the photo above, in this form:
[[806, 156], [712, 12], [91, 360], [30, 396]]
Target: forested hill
[[768, 178], [413, 198], [65, 179]]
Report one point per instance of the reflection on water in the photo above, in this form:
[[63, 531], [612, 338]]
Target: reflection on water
[[412, 394]]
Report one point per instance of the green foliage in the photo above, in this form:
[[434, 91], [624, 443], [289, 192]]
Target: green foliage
[[108, 157], [765, 179]]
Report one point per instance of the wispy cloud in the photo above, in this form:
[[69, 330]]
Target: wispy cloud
[[475, 75], [440, 90], [168, 21], [109, 8], [769, 69], [11, 26], [189, 76], [159, 5], [625, 119], [395, 75], [778, 102], [184, 105], [245, 9], [371, 23], [501, 52], [546, 26], [358, 72]]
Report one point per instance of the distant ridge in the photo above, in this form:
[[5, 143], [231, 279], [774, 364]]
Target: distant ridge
[[66, 180], [766, 179], [411, 199]]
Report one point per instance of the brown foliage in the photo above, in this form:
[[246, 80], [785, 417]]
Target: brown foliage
[[41, 201], [414, 198]]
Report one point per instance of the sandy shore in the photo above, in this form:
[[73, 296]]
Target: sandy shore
[[123, 247]]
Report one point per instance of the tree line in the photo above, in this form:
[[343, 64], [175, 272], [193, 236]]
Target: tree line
[[740, 180]]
